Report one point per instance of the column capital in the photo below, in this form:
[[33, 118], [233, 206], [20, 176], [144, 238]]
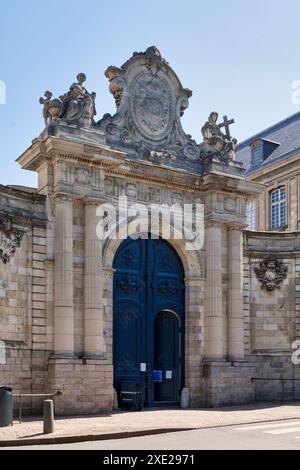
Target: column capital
[[63, 197], [92, 201], [212, 223], [232, 226]]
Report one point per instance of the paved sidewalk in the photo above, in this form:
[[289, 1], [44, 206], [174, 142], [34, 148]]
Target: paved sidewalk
[[126, 424]]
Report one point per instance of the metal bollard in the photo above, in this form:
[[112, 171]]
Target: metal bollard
[[48, 416]]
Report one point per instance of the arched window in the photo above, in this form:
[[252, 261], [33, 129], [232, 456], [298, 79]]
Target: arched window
[[278, 207]]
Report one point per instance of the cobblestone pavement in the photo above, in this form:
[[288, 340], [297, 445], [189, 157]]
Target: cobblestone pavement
[[122, 422]]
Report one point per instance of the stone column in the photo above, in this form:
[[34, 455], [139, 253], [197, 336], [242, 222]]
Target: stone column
[[235, 295], [213, 295], [94, 345], [63, 277]]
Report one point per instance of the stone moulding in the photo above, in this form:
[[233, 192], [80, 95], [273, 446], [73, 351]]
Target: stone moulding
[[271, 273]]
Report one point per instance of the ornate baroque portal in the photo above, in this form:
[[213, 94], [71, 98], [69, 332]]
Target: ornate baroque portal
[[171, 314]]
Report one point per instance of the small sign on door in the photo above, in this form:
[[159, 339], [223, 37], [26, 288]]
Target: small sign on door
[[169, 374], [157, 376]]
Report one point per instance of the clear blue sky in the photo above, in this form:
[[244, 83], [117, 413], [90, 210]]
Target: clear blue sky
[[239, 57]]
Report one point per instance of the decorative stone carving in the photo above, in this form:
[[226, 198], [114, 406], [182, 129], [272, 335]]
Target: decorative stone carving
[[151, 195], [109, 185], [215, 143], [175, 198], [83, 176], [75, 106], [159, 158], [271, 273], [10, 240], [131, 190], [229, 204], [150, 101], [151, 106]]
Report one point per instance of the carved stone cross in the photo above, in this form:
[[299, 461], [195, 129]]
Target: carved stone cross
[[226, 123]]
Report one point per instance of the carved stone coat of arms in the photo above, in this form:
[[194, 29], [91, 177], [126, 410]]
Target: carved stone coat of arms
[[271, 273]]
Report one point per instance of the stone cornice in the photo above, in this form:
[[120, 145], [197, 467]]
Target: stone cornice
[[21, 194], [217, 181], [54, 147], [116, 164]]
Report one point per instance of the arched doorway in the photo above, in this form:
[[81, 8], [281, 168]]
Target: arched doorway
[[148, 319]]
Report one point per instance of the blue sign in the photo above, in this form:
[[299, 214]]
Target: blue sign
[[157, 376]]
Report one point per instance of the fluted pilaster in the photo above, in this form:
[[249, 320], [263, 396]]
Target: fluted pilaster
[[235, 294], [94, 344], [63, 277], [213, 295]]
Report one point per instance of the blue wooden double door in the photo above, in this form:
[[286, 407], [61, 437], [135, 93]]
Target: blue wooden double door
[[148, 320]]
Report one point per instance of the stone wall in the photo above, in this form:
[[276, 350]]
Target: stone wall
[[23, 325], [272, 318]]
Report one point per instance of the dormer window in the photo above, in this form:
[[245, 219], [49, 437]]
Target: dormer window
[[261, 149], [257, 153], [278, 207]]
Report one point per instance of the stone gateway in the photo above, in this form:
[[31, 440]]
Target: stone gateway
[[86, 315]]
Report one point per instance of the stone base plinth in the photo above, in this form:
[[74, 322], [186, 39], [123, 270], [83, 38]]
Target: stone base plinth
[[86, 385], [227, 383]]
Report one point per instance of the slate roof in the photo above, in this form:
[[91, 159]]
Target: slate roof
[[286, 133]]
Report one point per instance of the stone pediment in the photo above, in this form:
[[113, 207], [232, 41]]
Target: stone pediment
[[150, 102]]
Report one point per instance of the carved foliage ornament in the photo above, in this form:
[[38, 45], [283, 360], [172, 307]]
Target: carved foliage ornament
[[271, 273], [10, 240]]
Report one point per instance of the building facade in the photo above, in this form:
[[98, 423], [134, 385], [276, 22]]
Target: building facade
[[84, 314], [272, 158]]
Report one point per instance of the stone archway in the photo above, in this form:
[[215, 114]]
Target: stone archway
[[194, 270]]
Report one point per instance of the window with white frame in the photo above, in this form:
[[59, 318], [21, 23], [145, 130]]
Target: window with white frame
[[251, 215], [278, 207]]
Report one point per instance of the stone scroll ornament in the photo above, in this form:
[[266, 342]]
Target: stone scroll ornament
[[150, 102], [271, 273], [77, 106], [10, 240]]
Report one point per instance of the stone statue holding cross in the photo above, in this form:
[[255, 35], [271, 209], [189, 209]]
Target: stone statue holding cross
[[214, 141]]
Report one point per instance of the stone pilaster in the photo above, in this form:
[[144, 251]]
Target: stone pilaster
[[94, 345], [235, 300], [213, 296], [63, 277]]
